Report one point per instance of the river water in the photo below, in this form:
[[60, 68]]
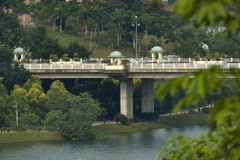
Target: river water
[[127, 146]]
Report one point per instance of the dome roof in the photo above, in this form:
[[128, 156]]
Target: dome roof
[[19, 50], [157, 49], [116, 54]]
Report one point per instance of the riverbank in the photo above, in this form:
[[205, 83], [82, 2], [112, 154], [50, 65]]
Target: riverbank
[[19, 137], [102, 131]]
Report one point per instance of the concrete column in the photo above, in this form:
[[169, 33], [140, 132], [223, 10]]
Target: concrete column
[[160, 57], [153, 57], [147, 95], [15, 57], [126, 97]]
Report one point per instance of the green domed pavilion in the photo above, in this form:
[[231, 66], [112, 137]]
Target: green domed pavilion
[[159, 51], [19, 51], [118, 55]]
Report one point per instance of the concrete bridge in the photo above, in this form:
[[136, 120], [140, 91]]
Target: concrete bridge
[[140, 68]]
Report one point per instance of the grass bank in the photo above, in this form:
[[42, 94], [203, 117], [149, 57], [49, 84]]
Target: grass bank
[[163, 122], [18, 137]]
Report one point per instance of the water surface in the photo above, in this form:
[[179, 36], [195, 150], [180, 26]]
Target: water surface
[[128, 146]]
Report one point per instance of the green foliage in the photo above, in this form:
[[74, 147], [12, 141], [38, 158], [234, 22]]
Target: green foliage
[[53, 57], [217, 56], [208, 57], [206, 110], [54, 119], [58, 97], [29, 119], [196, 56], [206, 12], [65, 57], [121, 118], [82, 114], [225, 115], [76, 56]]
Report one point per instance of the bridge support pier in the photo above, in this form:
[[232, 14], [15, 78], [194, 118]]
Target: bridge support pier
[[147, 95], [126, 97]]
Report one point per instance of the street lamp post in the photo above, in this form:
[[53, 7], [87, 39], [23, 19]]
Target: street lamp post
[[137, 24]]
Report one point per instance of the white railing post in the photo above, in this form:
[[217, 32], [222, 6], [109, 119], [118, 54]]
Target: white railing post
[[103, 65], [82, 66], [142, 65], [184, 65], [93, 66], [40, 63], [80, 61], [238, 65], [163, 65], [189, 60], [152, 65], [61, 66], [195, 65], [50, 65], [131, 65], [206, 64], [174, 65], [227, 65], [72, 65], [30, 65], [231, 59]]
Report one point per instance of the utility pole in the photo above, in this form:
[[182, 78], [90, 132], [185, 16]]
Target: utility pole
[[137, 25]]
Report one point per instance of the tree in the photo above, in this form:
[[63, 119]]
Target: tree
[[3, 104], [58, 97], [30, 119], [54, 119], [19, 100], [84, 111]]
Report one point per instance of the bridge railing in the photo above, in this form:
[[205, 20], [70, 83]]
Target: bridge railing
[[136, 65]]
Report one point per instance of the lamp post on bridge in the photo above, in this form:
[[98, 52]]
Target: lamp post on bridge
[[137, 25]]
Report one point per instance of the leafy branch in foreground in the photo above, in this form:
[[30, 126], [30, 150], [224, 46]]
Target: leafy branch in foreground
[[222, 141]]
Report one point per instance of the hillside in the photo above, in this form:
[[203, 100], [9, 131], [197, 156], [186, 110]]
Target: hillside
[[100, 49]]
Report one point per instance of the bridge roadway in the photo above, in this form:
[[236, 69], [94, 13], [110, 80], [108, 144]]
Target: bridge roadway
[[125, 74]]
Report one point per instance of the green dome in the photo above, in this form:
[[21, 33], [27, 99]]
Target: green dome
[[19, 50], [157, 49], [116, 54]]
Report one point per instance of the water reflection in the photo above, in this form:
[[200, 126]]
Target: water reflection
[[134, 146]]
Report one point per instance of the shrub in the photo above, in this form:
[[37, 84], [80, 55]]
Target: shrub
[[65, 57], [217, 56], [4, 129], [206, 110], [54, 57], [8, 130], [121, 118], [76, 57], [207, 57], [196, 56]]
